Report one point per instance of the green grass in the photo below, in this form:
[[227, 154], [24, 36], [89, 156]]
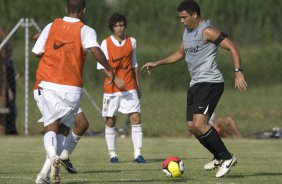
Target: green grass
[[259, 161]]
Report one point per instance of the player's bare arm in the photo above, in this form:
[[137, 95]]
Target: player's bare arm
[[35, 37], [39, 55], [212, 34], [98, 55], [136, 78], [172, 58], [118, 82]]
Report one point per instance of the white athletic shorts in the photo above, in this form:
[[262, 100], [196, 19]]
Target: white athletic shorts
[[126, 103], [37, 97], [56, 105]]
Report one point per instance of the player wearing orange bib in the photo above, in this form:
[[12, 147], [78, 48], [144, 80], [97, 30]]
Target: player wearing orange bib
[[62, 48], [70, 140], [120, 52]]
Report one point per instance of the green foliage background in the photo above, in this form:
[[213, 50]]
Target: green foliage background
[[254, 25]]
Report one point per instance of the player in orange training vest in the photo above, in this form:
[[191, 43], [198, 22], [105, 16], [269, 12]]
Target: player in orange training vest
[[120, 51], [62, 48]]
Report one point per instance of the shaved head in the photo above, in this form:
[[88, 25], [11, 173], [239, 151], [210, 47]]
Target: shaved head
[[75, 6]]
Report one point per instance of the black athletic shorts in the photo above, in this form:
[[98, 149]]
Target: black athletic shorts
[[202, 98]]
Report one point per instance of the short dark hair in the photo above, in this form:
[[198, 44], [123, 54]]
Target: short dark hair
[[75, 6], [115, 18], [190, 6]]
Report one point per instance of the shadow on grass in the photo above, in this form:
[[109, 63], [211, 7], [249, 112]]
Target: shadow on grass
[[78, 182], [182, 158], [153, 160], [175, 180], [131, 181], [254, 174], [195, 158], [117, 171]]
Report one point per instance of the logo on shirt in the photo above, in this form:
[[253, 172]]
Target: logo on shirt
[[196, 33], [120, 63], [57, 45], [118, 59], [121, 67], [192, 49]]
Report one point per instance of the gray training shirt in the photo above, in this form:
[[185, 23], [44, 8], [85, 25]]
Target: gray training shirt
[[200, 56]]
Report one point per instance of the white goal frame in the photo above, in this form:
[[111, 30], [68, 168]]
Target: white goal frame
[[26, 23]]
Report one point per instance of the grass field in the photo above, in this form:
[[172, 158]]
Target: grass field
[[259, 161]]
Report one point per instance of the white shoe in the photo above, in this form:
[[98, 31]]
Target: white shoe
[[226, 166], [55, 174], [212, 165], [41, 180]]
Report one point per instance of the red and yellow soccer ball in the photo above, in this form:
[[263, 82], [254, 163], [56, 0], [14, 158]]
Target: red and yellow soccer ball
[[173, 167]]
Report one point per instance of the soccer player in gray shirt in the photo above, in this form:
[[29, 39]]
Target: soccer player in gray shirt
[[199, 47]]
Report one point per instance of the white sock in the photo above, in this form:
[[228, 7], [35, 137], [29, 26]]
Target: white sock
[[137, 139], [70, 143], [46, 168], [61, 139], [50, 143], [110, 135]]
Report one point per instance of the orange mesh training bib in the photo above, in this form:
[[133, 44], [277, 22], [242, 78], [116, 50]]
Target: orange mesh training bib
[[63, 58], [120, 59]]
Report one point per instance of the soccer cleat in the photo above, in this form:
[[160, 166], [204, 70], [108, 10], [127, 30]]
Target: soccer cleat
[[212, 165], [114, 159], [68, 166], [55, 175], [226, 166], [41, 180], [140, 159]]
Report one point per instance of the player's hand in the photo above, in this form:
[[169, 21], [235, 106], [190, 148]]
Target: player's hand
[[119, 83], [35, 37], [240, 82], [148, 67], [139, 92], [111, 77]]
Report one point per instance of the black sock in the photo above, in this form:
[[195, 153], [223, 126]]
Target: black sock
[[213, 140], [203, 142]]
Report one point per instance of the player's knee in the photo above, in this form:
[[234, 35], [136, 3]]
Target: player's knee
[[190, 127], [110, 122], [135, 118], [80, 130], [197, 126], [86, 126], [63, 129], [81, 124]]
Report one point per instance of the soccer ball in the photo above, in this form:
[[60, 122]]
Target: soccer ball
[[173, 167]]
